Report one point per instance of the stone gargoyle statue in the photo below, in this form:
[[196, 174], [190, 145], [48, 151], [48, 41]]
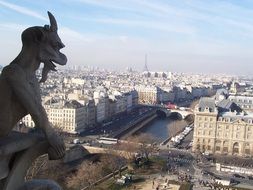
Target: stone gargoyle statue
[[19, 96]]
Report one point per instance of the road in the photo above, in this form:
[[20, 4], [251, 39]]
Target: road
[[182, 162], [114, 125], [186, 141], [117, 122]]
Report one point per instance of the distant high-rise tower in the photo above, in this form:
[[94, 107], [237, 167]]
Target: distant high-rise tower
[[145, 69]]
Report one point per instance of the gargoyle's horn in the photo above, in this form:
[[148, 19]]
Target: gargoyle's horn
[[53, 23]]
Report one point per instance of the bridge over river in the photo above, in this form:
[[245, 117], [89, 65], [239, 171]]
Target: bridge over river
[[182, 111], [160, 127]]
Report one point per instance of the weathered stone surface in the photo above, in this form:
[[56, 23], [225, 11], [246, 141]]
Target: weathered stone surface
[[19, 96]]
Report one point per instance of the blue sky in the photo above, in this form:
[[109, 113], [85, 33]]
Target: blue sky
[[209, 36]]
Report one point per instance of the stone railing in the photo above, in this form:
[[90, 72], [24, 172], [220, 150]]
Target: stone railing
[[17, 153]]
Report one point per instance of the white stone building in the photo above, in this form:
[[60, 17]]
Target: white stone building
[[68, 116]]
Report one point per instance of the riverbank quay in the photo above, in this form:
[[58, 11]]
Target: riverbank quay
[[134, 126], [167, 141]]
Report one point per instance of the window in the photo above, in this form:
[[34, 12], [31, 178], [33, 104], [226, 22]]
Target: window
[[236, 148], [225, 149], [247, 148]]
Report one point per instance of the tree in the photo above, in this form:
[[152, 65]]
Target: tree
[[112, 162], [189, 119], [43, 168], [146, 144], [128, 148], [36, 167], [193, 104], [142, 144], [86, 175]]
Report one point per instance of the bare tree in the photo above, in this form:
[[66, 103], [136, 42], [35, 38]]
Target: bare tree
[[142, 144], [193, 104], [145, 144], [113, 163], [43, 168], [128, 148], [86, 175], [36, 167]]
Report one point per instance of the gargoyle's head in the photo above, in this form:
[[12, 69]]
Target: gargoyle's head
[[47, 43]]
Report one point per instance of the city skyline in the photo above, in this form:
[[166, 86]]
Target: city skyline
[[190, 36]]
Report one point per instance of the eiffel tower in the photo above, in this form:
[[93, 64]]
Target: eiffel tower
[[145, 69]]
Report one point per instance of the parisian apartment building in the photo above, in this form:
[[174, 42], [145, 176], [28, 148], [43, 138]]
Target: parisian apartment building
[[222, 127]]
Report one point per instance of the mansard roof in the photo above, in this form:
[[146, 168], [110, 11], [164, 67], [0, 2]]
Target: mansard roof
[[206, 103], [228, 105]]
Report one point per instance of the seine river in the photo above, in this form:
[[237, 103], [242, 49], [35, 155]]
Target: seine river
[[161, 129]]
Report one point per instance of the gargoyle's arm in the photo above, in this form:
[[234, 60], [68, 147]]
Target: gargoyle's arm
[[26, 95]]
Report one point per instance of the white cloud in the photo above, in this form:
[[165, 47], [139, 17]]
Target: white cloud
[[118, 5], [22, 10], [123, 39], [72, 35], [13, 26], [151, 24]]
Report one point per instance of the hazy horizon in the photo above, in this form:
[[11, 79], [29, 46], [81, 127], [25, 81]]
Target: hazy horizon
[[187, 36]]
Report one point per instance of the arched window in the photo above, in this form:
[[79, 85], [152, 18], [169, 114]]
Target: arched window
[[236, 148]]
